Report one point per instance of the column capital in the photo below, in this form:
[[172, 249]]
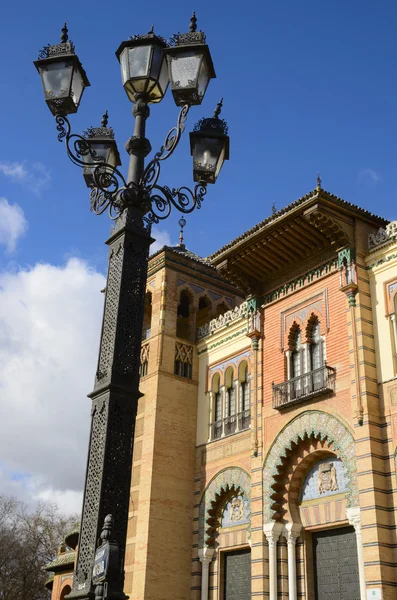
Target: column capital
[[292, 531], [354, 517], [272, 531], [206, 555]]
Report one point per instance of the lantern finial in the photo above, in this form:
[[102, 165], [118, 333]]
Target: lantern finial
[[218, 109], [64, 34], [105, 119], [193, 23], [181, 223]]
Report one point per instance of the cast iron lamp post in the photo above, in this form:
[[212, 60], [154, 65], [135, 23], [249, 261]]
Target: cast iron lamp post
[[147, 62]]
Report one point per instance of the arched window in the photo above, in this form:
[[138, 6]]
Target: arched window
[[216, 424], [316, 347], [297, 364], [230, 422], [66, 590], [183, 325], [245, 408], [147, 316], [221, 309], [297, 355], [204, 311]]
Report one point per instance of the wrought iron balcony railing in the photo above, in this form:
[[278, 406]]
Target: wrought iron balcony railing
[[304, 387], [230, 425]]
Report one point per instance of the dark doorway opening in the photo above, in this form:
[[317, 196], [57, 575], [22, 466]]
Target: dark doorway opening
[[336, 565], [237, 575]]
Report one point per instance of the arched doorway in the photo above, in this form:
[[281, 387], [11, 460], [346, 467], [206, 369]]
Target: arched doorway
[[309, 492], [224, 532], [66, 590]]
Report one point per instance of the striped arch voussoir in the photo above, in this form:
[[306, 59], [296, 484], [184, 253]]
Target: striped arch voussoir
[[322, 426], [232, 479]]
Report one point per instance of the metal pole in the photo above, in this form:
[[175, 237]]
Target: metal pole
[[116, 389]]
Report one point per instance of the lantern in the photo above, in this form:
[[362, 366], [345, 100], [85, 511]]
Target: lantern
[[143, 67], [62, 76], [209, 146], [190, 66], [103, 151]]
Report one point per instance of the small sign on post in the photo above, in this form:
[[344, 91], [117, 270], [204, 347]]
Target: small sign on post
[[101, 563]]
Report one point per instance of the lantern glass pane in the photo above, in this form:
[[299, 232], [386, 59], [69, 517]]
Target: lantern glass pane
[[203, 78], [138, 61], [163, 79], [56, 78], [98, 149], [77, 86], [207, 152], [124, 65], [156, 62], [184, 69]]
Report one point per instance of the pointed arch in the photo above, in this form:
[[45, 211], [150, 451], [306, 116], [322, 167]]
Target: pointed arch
[[320, 426], [294, 330], [223, 486]]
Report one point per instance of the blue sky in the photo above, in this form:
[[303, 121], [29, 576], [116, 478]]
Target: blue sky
[[308, 87]]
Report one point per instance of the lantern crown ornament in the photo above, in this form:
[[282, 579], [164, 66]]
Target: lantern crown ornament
[[143, 67], [190, 65], [98, 149], [209, 146], [62, 76]]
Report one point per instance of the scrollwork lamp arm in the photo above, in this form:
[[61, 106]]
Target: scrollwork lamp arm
[[163, 198], [152, 171]]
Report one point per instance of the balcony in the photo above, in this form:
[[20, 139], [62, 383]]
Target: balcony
[[230, 425], [305, 387]]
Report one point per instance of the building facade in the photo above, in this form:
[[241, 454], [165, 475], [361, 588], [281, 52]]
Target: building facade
[[265, 446]]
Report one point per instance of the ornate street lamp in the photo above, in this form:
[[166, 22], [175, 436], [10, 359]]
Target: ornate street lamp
[[135, 203]]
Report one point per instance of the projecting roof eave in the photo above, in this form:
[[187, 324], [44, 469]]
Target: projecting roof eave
[[63, 562], [315, 225], [285, 214]]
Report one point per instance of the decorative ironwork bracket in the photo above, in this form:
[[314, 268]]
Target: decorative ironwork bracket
[[110, 190]]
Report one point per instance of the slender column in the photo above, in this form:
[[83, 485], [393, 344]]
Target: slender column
[[394, 323], [205, 556], [211, 415], [255, 336], [291, 533], [272, 532], [354, 518], [223, 392], [236, 385]]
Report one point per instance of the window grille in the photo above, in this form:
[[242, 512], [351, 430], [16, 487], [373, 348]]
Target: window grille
[[183, 360]]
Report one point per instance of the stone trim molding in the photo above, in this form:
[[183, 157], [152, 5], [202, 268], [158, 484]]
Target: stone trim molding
[[323, 426], [220, 484]]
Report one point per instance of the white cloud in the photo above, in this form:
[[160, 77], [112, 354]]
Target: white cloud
[[368, 175], [12, 224], [34, 176], [162, 238], [50, 321]]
